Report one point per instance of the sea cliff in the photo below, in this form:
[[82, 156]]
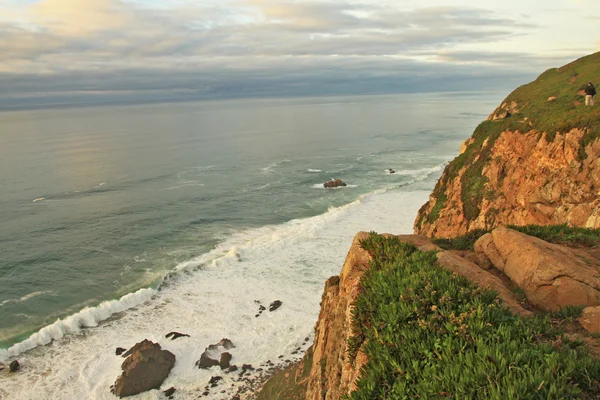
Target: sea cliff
[[502, 274]]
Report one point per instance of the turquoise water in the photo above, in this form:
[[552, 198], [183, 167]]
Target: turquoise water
[[100, 202]]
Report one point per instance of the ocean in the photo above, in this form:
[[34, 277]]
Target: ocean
[[124, 223]]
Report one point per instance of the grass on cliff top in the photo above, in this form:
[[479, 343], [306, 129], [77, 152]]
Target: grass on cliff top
[[431, 334], [558, 234], [534, 112]]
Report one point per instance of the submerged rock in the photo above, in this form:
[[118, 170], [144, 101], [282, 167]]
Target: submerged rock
[[146, 368]]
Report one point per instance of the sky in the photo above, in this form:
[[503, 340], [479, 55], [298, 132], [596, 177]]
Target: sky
[[279, 47]]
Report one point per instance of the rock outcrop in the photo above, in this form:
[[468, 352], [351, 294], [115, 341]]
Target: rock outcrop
[[552, 276], [213, 355], [146, 368], [526, 180], [590, 319]]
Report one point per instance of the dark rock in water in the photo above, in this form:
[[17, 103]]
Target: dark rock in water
[[306, 339], [262, 308], [214, 381], [334, 183], [391, 171], [176, 335], [169, 392], [235, 398], [247, 367], [14, 366], [206, 361], [146, 368], [233, 368], [225, 361], [275, 305], [119, 351], [213, 353], [205, 393]]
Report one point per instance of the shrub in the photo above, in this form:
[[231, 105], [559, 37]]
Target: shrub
[[432, 334]]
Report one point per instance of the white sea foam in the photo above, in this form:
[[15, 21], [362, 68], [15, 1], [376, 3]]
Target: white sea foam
[[24, 298], [39, 199], [312, 170], [86, 318], [210, 298]]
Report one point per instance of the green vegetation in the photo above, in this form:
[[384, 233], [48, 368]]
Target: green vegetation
[[430, 334], [286, 384], [562, 234], [558, 234], [568, 313], [463, 242], [532, 111]]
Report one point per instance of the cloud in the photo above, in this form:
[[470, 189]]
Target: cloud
[[85, 45]]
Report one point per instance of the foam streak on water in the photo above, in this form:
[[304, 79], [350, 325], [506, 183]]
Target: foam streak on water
[[210, 298]]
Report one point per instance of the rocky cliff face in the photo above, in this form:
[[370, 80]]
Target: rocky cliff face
[[525, 179], [535, 160]]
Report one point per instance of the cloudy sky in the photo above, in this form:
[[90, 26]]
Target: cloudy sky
[[242, 47]]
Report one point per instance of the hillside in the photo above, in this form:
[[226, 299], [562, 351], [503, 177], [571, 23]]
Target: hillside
[[533, 161]]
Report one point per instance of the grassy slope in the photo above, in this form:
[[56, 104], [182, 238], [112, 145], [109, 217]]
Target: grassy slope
[[535, 112], [430, 334]]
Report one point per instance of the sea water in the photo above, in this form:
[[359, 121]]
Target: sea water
[[119, 224]]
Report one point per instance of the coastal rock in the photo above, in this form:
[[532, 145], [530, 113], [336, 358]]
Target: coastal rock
[[14, 366], [331, 377], [527, 179], [275, 305], [120, 350], [146, 368], [590, 319], [214, 353], [176, 335], [334, 183], [225, 361], [552, 276], [169, 392]]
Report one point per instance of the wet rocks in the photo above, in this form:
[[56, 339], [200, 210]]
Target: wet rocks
[[225, 361], [334, 183], [176, 335], [146, 368], [14, 366], [275, 305], [169, 392], [214, 354], [120, 350]]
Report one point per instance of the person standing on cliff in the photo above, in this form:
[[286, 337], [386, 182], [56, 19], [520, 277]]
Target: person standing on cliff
[[590, 92]]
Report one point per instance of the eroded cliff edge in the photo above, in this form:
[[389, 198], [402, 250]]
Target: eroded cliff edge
[[535, 160]]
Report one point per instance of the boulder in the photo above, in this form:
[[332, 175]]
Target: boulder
[[169, 392], [120, 350], [176, 335], [146, 368], [590, 319], [552, 276], [334, 183], [275, 305], [213, 354], [14, 366], [225, 361]]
